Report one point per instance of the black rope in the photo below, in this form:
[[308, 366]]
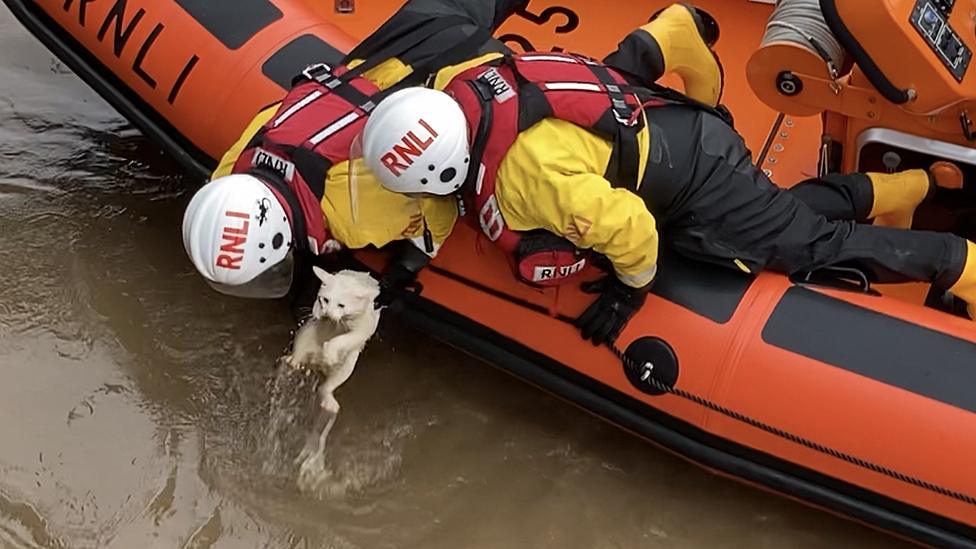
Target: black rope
[[798, 439]]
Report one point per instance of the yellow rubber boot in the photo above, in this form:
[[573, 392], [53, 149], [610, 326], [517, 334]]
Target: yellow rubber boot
[[965, 287], [896, 196], [681, 40]]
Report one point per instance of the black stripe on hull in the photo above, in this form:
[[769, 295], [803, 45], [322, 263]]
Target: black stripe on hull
[[875, 345], [697, 445], [233, 22]]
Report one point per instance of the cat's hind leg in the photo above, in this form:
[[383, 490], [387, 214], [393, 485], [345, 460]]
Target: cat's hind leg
[[312, 456]]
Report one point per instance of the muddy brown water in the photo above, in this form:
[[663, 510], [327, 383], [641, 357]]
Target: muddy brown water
[[137, 410]]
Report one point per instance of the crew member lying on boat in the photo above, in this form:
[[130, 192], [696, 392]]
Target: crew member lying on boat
[[282, 192], [566, 153]]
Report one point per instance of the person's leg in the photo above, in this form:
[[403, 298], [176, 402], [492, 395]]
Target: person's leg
[[726, 210], [888, 199], [884, 254], [837, 196], [678, 39]]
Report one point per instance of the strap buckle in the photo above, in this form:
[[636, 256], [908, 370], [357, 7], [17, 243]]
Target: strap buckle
[[318, 72], [625, 118], [622, 112]]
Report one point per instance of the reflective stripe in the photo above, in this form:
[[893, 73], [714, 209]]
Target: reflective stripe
[[334, 128], [313, 245], [297, 107], [559, 58], [639, 280], [576, 86], [742, 266], [481, 179]]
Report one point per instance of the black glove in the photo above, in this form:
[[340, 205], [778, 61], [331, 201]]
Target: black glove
[[401, 274], [603, 320]]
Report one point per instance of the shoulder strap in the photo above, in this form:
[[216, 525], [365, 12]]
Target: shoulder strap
[[481, 136]]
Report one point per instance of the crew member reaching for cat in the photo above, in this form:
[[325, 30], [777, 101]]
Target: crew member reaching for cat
[[287, 190]]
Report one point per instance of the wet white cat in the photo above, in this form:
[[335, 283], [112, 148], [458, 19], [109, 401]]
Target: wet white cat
[[343, 319]]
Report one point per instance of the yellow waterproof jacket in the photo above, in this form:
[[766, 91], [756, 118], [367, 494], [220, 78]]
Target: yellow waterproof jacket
[[380, 216], [552, 179]]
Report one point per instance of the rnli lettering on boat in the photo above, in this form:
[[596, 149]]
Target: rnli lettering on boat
[[232, 238], [118, 27], [410, 147]]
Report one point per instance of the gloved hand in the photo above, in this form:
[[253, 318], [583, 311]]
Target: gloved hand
[[401, 274], [396, 279], [606, 317]]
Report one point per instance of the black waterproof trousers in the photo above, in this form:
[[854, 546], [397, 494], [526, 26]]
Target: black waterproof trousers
[[713, 204]]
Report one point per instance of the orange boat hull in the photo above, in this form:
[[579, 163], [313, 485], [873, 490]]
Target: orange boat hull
[[852, 402]]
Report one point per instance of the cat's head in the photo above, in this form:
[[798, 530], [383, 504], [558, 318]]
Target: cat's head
[[344, 295]]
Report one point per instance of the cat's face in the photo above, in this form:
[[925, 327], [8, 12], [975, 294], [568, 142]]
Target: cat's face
[[344, 295]]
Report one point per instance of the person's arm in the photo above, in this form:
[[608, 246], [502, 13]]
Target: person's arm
[[411, 255], [401, 272], [613, 222], [552, 179], [616, 223]]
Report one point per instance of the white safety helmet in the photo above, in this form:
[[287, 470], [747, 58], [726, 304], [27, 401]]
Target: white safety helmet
[[416, 141], [238, 237]]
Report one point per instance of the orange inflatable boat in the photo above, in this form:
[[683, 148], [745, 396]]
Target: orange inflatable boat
[[853, 399]]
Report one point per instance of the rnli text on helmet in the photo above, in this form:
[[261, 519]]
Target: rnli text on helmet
[[411, 146], [233, 240]]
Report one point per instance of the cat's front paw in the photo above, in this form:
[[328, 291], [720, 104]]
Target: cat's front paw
[[332, 353], [292, 362]]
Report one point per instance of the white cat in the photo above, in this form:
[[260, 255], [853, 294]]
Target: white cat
[[343, 319]]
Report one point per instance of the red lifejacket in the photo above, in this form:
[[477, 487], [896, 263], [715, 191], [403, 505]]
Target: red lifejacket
[[312, 130], [320, 117], [505, 97]]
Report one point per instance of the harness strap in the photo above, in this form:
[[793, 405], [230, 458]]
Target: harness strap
[[624, 165], [341, 86], [621, 110], [481, 137], [313, 168]]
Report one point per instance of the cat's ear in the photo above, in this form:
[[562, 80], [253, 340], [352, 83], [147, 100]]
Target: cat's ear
[[323, 275], [368, 293]]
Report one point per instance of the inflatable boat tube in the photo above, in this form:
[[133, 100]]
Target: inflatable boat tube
[[832, 394]]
